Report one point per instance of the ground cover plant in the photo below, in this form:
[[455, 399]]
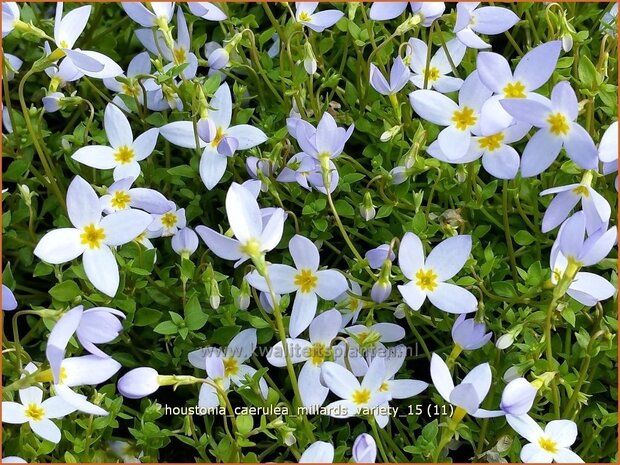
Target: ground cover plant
[[301, 232]]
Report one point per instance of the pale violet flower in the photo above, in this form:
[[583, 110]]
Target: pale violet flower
[[313, 354], [67, 30], [35, 411], [350, 305], [13, 459], [518, 397], [125, 151], [532, 72], [469, 394], [556, 120], [468, 334], [399, 75], [92, 236], [305, 279], [365, 343], [548, 445], [253, 237], [396, 388], [149, 17], [216, 136], [428, 276], [10, 16], [306, 171], [325, 142], [168, 223], [185, 242], [121, 196], [573, 250], [460, 120], [489, 20], [595, 208], [181, 48], [318, 22], [206, 10], [140, 65], [226, 365], [436, 75], [355, 395], [498, 157], [428, 11], [318, 452], [377, 256], [62, 73], [364, 447], [8, 299]]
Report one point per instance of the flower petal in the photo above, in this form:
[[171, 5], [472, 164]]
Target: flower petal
[[124, 226], [243, 213], [493, 70], [13, 413], [310, 388], [46, 429], [410, 255], [412, 295], [305, 254], [537, 65], [440, 374], [533, 453], [502, 163], [82, 203], [181, 133], [102, 270], [580, 147], [222, 246], [525, 426], [117, 127], [339, 380], [539, 153], [212, 166], [325, 327], [330, 284], [60, 246], [433, 106], [449, 256], [453, 299], [304, 309], [220, 107]]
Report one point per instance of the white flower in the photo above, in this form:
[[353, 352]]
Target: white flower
[[92, 236], [35, 411], [548, 445], [125, 152]]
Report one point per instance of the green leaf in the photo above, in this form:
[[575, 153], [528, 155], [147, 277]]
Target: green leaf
[[524, 238], [166, 327], [65, 291]]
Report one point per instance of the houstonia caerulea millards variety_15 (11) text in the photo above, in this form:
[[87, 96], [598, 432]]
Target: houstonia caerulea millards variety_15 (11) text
[[309, 232]]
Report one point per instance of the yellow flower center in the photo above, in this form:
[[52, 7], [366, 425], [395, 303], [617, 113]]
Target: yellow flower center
[[361, 396], [304, 16], [64, 44], [35, 412], [353, 304], [251, 248], [557, 274], [491, 143], [168, 219], [582, 190], [431, 74], [464, 118], [514, 90], [219, 135], [426, 280], [132, 90], [63, 374], [385, 387], [548, 444], [368, 338], [120, 200], [318, 353], [180, 55], [140, 237], [231, 366], [558, 124], [305, 280], [92, 236], [124, 155]]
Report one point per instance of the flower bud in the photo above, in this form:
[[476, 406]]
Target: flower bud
[[206, 129], [218, 58], [243, 298], [399, 175], [364, 449], [367, 209], [309, 59], [390, 133], [185, 242], [504, 341], [518, 397], [409, 24], [138, 383], [380, 291]]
